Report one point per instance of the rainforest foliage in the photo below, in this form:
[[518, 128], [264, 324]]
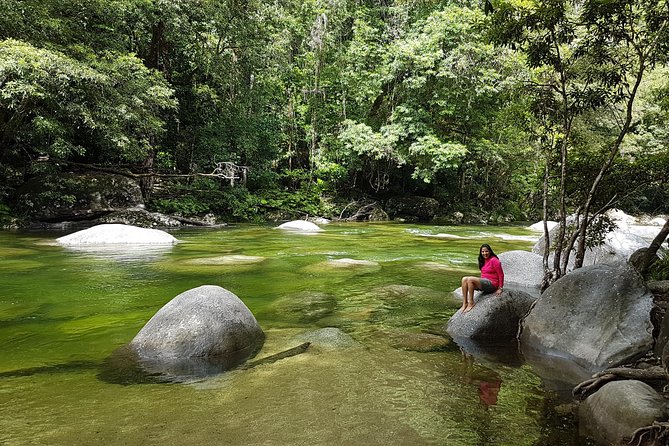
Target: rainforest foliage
[[503, 108]]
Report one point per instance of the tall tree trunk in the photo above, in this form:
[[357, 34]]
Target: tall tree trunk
[[548, 279], [146, 183], [157, 48], [615, 148]]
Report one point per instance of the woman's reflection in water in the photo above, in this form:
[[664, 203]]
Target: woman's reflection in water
[[488, 381]]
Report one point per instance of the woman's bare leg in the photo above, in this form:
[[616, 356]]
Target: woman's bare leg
[[465, 287], [473, 284]]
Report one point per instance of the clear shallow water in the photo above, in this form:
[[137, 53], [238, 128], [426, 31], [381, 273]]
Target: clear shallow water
[[63, 311]]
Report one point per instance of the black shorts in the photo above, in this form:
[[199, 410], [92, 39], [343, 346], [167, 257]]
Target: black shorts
[[487, 286]]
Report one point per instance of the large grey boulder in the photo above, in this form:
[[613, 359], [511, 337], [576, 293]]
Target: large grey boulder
[[203, 330], [598, 315], [522, 270], [493, 318], [614, 412], [117, 234]]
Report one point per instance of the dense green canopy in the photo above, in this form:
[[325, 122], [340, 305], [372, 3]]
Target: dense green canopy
[[498, 109]]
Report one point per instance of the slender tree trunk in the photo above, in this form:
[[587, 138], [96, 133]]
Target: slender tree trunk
[[547, 280], [146, 183], [615, 148]]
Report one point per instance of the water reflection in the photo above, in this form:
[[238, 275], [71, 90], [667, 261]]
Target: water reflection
[[506, 353], [122, 253], [488, 381]]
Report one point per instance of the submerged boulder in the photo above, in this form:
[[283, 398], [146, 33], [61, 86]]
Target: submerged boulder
[[117, 234], [202, 331], [493, 318], [598, 315], [305, 306], [328, 338]]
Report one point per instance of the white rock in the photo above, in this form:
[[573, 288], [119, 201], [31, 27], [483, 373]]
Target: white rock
[[539, 226], [300, 225], [352, 262], [116, 234], [621, 218]]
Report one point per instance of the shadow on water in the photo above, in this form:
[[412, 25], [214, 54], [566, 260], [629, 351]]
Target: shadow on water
[[124, 366], [108, 371], [67, 367]]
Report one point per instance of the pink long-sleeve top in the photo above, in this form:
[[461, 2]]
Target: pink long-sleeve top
[[492, 270]]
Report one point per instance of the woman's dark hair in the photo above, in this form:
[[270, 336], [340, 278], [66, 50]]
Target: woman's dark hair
[[481, 259]]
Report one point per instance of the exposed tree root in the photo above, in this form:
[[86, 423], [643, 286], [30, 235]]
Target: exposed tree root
[[656, 434], [590, 386]]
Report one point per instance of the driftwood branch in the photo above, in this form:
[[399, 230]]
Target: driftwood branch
[[281, 355], [225, 170]]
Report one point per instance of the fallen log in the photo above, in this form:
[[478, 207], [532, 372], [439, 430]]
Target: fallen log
[[276, 357]]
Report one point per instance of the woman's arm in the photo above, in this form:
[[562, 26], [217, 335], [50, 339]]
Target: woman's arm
[[500, 276]]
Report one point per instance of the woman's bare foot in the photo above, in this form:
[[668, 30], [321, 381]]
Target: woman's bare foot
[[468, 308], [462, 308]]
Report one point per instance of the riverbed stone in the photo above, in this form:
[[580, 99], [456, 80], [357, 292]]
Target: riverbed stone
[[226, 260], [614, 412], [493, 318], [328, 338], [203, 326], [598, 315], [345, 265], [117, 234], [305, 306]]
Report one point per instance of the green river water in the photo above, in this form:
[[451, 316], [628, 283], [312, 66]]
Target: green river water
[[63, 311]]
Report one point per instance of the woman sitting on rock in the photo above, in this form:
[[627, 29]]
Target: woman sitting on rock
[[492, 278]]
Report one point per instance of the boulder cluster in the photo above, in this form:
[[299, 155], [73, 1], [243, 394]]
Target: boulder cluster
[[593, 319]]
